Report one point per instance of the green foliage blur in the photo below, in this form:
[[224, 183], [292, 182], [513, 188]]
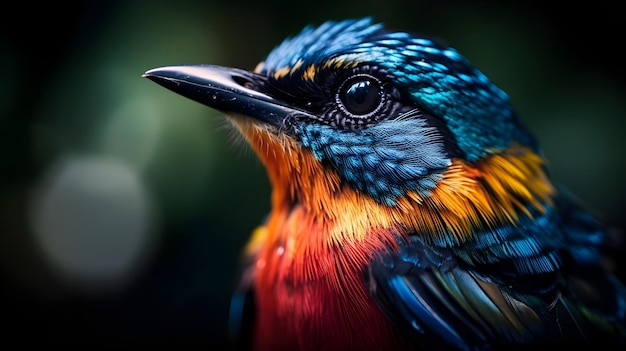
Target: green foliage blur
[[175, 193]]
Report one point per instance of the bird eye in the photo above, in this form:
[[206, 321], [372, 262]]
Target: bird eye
[[360, 95]]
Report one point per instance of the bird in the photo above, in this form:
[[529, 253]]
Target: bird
[[411, 207]]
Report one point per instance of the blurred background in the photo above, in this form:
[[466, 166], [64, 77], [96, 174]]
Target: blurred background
[[123, 206]]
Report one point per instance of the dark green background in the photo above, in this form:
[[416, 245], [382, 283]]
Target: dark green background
[[70, 84]]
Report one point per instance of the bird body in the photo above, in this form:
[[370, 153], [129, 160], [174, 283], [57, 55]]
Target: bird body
[[410, 206]]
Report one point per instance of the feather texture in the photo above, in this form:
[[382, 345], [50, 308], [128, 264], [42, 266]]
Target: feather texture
[[411, 208]]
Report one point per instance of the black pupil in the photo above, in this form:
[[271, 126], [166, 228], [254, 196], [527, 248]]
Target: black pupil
[[361, 97]]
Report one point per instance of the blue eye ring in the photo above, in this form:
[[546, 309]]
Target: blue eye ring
[[361, 96]]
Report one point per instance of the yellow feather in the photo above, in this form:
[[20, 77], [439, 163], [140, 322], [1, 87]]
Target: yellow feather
[[489, 192]]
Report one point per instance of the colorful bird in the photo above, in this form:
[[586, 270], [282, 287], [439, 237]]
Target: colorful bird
[[411, 208]]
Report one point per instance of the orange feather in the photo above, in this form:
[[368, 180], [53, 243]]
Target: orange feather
[[320, 236]]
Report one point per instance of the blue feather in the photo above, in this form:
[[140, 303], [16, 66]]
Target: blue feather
[[384, 160]]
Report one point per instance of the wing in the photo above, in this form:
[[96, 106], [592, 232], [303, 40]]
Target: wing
[[538, 282], [242, 308], [241, 317]]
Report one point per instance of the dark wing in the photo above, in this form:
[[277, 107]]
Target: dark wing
[[242, 303], [241, 318], [539, 282]]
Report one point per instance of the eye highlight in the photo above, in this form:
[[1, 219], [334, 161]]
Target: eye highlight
[[361, 95]]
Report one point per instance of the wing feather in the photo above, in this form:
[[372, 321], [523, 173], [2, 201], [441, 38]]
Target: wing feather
[[533, 283]]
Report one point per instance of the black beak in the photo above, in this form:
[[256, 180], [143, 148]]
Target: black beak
[[226, 89]]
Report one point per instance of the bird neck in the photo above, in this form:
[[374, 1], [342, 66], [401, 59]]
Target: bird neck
[[495, 190]]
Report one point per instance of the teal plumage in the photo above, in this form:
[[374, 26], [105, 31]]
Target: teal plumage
[[411, 207]]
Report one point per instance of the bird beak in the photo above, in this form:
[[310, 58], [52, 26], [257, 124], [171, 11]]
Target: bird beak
[[226, 89]]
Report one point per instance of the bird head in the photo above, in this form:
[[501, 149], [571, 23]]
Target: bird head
[[351, 105]]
